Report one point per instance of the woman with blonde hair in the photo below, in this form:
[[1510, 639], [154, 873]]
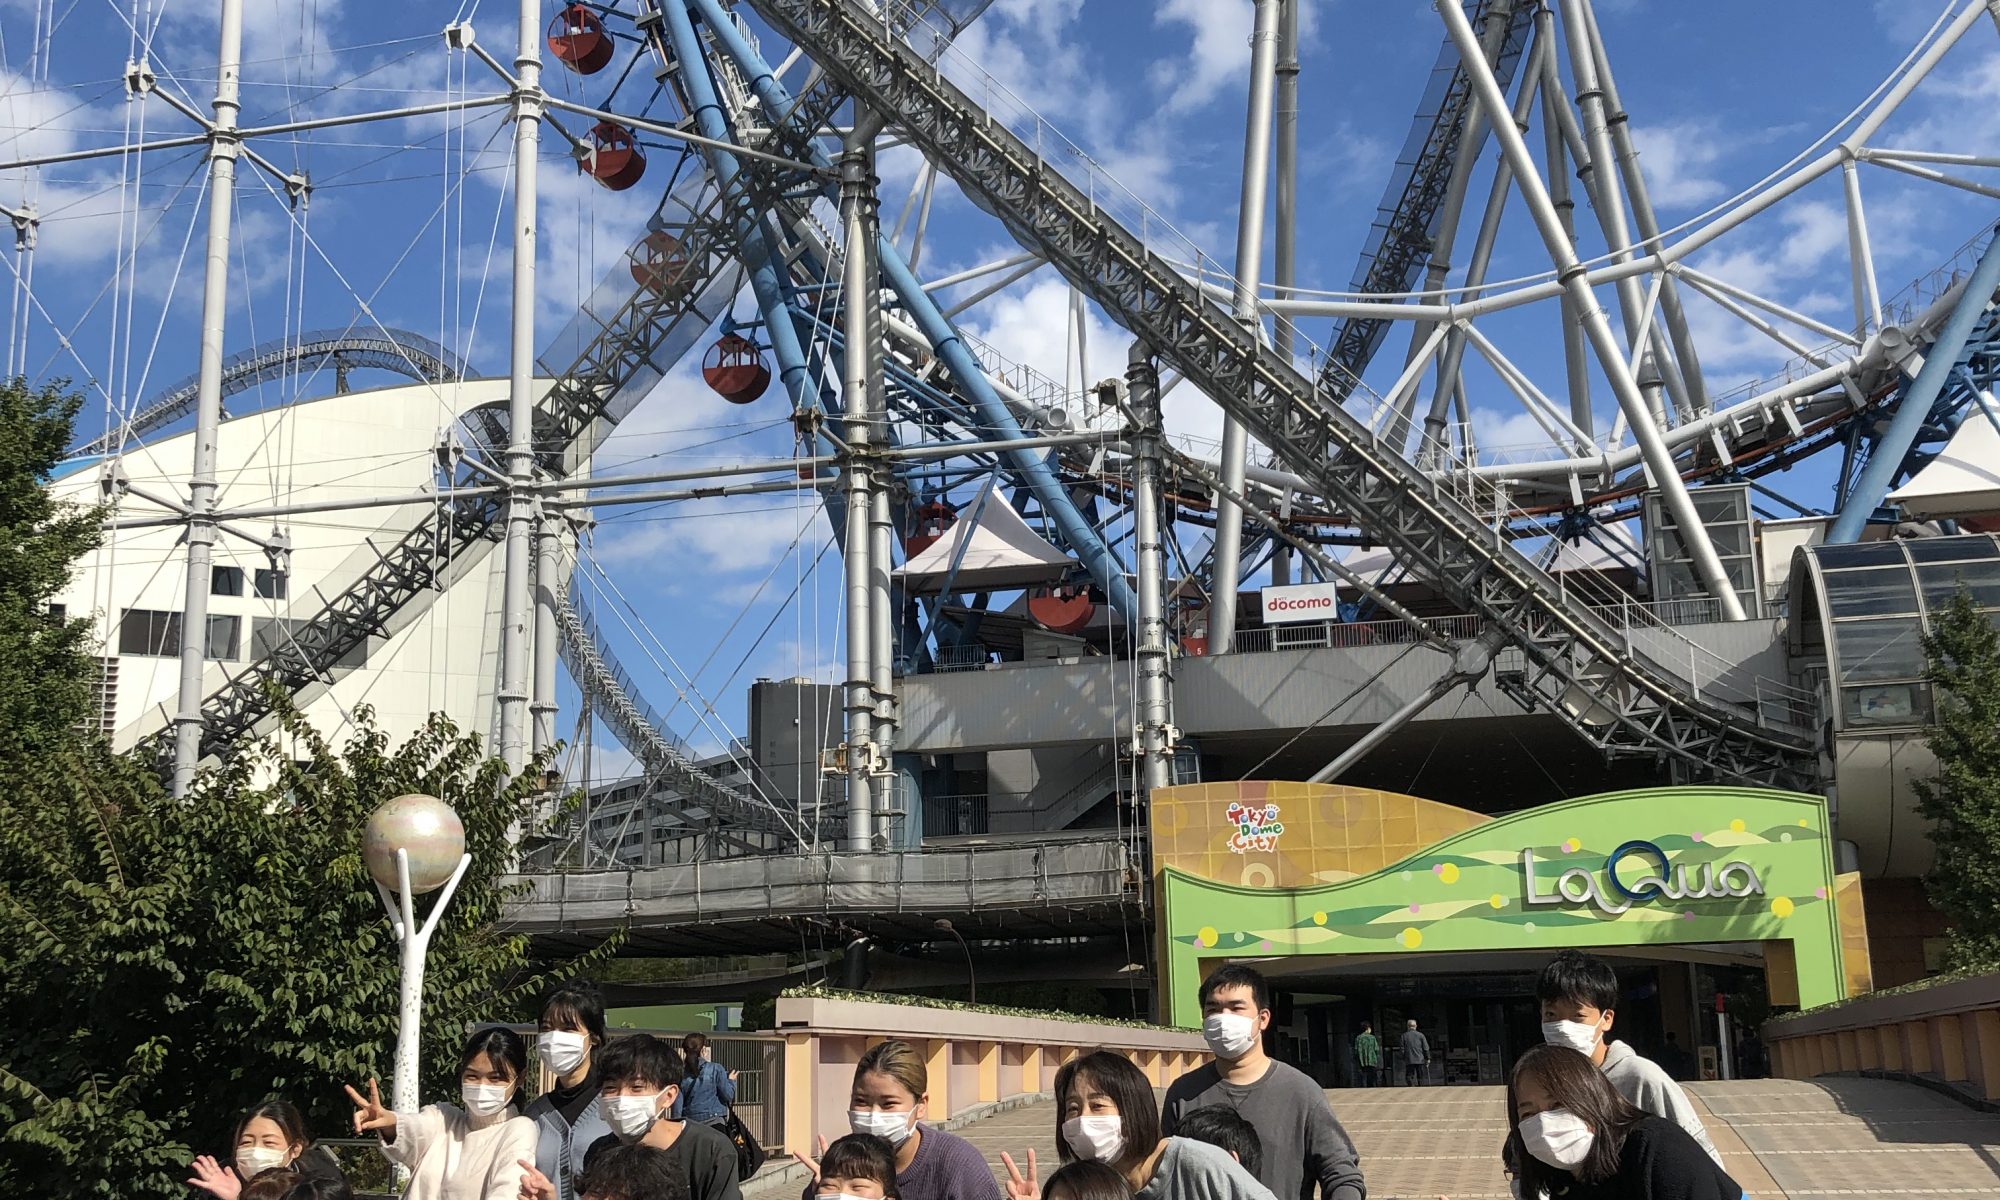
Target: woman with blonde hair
[[891, 1099]]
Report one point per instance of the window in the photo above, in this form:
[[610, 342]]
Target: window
[[1879, 650], [150, 632], [225, 581], [58, 613], [225, 635], [272, 584]]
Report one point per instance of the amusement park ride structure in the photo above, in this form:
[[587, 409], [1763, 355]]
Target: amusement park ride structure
[[909, 429]]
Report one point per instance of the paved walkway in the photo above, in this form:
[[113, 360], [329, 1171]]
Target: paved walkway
[[1779, 1138]]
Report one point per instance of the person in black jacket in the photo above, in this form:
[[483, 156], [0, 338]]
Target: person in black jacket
[[1575, 1137]]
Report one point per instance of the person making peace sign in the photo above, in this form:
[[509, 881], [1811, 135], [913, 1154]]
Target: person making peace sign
[[453, 1153]]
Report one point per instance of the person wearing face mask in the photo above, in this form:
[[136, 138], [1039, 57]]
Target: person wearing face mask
[[889, 1099], [469, 1151], [567, 1116], [271, 1134], [1576, 1138], [1104, 1113], [640, 1079], [1304, 1145], [1578, 995]]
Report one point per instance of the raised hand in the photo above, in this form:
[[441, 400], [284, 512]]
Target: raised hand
[[214, 1178], [1022, 1187], [370, 1115], [732, 1077], [534, 1184], [812, 1164]]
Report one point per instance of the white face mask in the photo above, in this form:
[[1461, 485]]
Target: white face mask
[[252, 1159], [1558, 1137], [1574, 1034], [893, 1127], [1099, 1139], [484, 1099], [1229, 1035], [562, 1050], [632, 1116]]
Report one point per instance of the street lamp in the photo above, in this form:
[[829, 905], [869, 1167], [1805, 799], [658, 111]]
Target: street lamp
[[971, 981], [413, 844]]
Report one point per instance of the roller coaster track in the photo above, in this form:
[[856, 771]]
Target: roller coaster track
[[1570, 661], [1406, 225], [410, 355]]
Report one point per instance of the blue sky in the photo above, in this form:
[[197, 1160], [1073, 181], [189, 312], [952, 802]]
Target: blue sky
[[410, 217]]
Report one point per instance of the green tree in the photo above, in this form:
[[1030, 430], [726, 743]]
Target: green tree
[[1963, 801], [42, 656]]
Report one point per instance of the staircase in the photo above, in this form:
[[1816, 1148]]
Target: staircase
[[1570, 662]]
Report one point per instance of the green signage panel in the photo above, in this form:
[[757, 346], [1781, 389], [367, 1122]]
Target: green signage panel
[[1657, 867]]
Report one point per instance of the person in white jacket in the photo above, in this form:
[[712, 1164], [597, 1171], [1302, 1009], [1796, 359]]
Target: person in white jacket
[[473, 1152]]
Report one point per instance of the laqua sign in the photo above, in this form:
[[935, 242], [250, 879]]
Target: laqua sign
[[1300, 602], [1609, 893]]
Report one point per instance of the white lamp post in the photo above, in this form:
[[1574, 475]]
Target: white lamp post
[[413, 844]]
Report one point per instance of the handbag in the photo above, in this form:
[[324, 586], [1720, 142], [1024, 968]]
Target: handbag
[[749, 1155]]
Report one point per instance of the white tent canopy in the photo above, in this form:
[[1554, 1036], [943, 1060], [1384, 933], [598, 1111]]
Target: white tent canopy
[[996, 552], [1962, 481]]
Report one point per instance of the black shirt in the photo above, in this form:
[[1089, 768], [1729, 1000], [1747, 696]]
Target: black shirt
[[702, 1154], [572, 1102], [1659, 1162]]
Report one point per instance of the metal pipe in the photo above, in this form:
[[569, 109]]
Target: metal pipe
[[1154, 737], [1576, 368], [1940, 359], [516, 633], [1284, 265], [1860, 256], [202, 486], [1611, 356], [548, 588], [999, 285], [1468, 663], [858, 299], [1227, 560]]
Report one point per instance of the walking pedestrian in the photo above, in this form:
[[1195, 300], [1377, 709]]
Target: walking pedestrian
[[1416, 1050], [567, 1117], [1368, 1055], [1574, 1136], [707, 1090], [1579, 995], [476, 1150]]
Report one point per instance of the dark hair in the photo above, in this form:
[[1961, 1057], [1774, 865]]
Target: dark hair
[[320, 1187], [1085, 1179], [640, 1058], [691, 1047], [631, 1172], [282, 1113], [1224, 1127], [1236, 975], [1580, 979], [862, 1156], [576, 1003], [269, 1184], [1117, 1077], [1577, 1087], [900, 1062], [503, 1046]]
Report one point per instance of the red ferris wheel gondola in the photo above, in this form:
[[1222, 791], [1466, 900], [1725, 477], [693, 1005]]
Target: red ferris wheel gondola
[[735, 369], [612, 156], [577, 39]]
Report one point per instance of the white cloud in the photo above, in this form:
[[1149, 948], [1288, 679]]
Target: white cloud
[[1677, 159], [1218, 54]]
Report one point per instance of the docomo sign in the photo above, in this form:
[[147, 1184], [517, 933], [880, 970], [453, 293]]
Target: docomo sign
[[1300, 602], [1576, 886]]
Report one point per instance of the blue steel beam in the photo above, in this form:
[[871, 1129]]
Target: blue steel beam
[[1915, 405], [1097, 558]]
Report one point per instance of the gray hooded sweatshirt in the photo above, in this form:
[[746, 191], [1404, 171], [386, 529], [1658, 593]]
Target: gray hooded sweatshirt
[[1647, 1086]]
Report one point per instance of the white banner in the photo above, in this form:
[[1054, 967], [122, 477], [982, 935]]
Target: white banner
[[1300, 602]]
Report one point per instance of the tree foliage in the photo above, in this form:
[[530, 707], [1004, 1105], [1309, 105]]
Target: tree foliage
[[166, 963], [1963, 801], [43, 661]]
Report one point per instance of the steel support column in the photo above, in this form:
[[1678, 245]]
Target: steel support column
[[1284, 265], [1227, 561], [517, 604], [1469, 662], [1154, 738], [223, 148], [548, 592], [1610, 354], [858, 300], [1940, 357]]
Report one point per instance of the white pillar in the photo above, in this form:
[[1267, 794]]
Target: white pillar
[[859, 289], [1228, 561], [515, 629], [548, 586], [1284, 263], [223, 148]]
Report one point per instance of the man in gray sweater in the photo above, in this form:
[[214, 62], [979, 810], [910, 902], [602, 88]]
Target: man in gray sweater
[[1303, 1143]]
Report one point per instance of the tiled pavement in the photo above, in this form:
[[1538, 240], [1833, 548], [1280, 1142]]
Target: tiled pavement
[[1779, 1138]]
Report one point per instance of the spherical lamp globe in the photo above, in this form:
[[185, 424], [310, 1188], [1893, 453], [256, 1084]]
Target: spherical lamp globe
[[422, 826]]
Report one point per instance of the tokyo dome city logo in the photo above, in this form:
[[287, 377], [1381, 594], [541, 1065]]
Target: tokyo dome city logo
[[1257, 827], [1658, 883]]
